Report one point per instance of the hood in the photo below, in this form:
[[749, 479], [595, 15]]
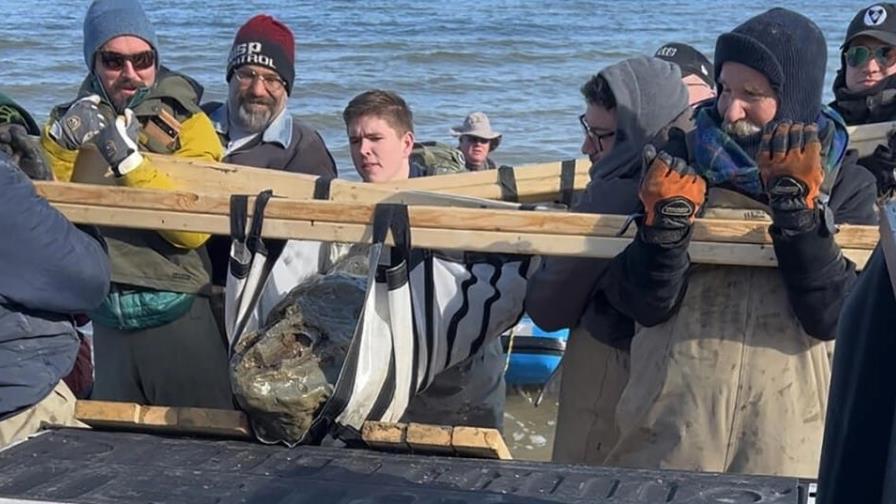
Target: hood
[[649, 95]]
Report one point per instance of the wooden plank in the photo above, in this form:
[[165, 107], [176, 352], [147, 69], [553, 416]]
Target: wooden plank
[[385, 436], [479, 442], [535, 182], [131, 416], [429, 439], [316, 213]]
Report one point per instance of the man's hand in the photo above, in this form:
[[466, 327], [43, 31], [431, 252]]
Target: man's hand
[[15, 142], [672, 194], [790, 166], [118, 143], [81, 122]]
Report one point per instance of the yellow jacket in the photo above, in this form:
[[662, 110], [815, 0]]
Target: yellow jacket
[[198, 140]]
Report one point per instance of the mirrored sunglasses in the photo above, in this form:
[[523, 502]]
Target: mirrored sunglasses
[[115, 61], [859, 55]]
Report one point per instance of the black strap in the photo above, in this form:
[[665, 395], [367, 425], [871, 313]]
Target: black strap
[[507, 179], [254, 240], [322, 188], [239, 205], [567, 181]]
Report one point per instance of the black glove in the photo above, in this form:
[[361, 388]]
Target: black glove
[[24, 151], [117, 143], [882, 164], [80, 123]]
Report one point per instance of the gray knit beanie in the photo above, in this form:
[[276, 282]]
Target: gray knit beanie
[[107, 19]]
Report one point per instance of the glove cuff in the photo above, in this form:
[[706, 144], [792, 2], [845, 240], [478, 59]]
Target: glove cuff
[[128, 164]]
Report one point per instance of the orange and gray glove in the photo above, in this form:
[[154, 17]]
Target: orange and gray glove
[[672, 194], [789, 162]]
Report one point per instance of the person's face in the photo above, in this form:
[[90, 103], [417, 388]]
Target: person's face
[[599, 125], [379, 152], [123, 65], [698, 89], [747, 101], [868, 61], [475, 149], [256, 95]]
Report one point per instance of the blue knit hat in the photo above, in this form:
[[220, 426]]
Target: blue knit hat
[[107, 19], [790, 50]]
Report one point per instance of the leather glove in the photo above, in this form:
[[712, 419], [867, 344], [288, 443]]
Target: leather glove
[[117, 143], [790, 167], [80, 123], [15, 142], [672, 194], [882, 164]]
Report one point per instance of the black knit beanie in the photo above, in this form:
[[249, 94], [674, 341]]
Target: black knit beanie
[[790, 50]]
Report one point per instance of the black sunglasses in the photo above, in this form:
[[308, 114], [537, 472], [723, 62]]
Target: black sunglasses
[[592, 133], [476, 139], [115, 61]]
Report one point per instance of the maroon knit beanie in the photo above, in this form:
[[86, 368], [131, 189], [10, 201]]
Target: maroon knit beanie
[[266, 42]]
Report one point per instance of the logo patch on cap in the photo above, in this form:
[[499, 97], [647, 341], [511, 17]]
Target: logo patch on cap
[[666, 52], [875, 15]]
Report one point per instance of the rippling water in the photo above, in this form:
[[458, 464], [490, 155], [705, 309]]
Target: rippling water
[[522, 62]]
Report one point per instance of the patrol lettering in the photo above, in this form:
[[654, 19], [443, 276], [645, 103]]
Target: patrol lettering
[[250, 53]]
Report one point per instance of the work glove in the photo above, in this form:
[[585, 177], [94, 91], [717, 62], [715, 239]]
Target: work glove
[[117, 143], [672, 194], [882, 164], [790, 167], [81, 122], [24, 151]]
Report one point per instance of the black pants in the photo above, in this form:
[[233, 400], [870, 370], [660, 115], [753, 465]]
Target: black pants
[[183, 363]]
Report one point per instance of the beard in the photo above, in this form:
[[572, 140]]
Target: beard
[[743, 131], [255, 114]]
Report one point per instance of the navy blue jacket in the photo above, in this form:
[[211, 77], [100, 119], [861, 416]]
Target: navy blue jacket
[[49, 270]]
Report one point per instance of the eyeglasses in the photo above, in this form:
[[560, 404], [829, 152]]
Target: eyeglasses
[[858, 55], [115, 61], [272, 83], [592, 133], [478, 140]]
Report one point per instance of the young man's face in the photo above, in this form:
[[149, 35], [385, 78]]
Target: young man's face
[[868, 61], [123, 65], [379, 152], [599, 126]]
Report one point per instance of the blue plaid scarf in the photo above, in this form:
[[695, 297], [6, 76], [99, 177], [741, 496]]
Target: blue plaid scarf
[[722, 162]]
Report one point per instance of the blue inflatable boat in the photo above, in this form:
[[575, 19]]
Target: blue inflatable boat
[[534, 353]]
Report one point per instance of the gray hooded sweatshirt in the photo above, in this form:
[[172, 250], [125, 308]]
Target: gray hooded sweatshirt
[[650, 100]]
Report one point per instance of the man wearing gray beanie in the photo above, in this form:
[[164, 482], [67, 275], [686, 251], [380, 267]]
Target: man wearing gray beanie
[[156, 339], [728, 366]]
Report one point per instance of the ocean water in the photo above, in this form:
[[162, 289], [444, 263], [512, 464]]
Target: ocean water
[[521, 62]]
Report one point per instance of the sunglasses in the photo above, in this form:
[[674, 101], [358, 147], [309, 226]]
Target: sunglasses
[[859, 55], [115, 61], [592, 133], [477, 140]]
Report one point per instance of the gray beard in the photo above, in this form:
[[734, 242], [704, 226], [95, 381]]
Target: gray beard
[[743, 131], [253, 122]]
